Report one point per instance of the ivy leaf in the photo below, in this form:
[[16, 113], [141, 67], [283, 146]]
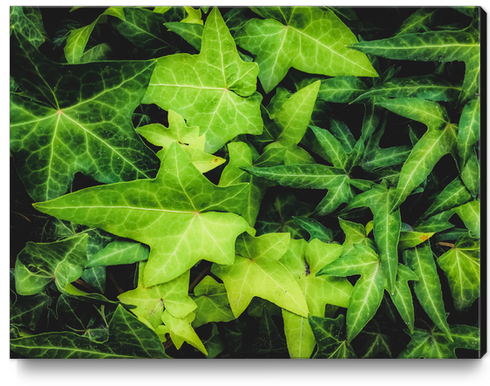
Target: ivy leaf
[[468, 130], [315, 229], [119, 252], [471, 174], [214, 90], [470, 214], [439, 46], [453, 195], [179, 214], [420, 20], [40, 263], [128, 338], [368, 291], [290, 35], [429, 87], [151, 301], [304, 261], [328, 337], [410, 239], [375, 343], [461, 264], [78, 38], [180, 330], [257, 272], [428, 287], [425, 154], [434, 344], [402, 297], [21, 23], [278, 216], [212, 302], [188, 137], [60, 124], [387, 227]]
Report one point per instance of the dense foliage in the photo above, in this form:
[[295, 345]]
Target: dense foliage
[[245, 182]]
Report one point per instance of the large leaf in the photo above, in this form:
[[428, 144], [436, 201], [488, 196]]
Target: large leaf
[[128, 338], [214, 90], [76, 118], [257, 272], [40, 263], [179, 214], [428, 286], [290, 35], [461, 264]]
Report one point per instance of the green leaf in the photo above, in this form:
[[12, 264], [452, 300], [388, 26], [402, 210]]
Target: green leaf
[[180, 330], [315, 229], [214, 90], [470, 214], [402, 297], [461, 264], [375, 343], [212, 303], [151, 301], [241, 156], [428, 287], [438, 46], [434, 344], [22, 24], [387, 226], [78, 38], [420, 20], [76, 118], [179, 214], [191, 33], [468, 130], [270, 339], [143, 28], [410, 239], [128, 338], [304, 261], [471, 174], [257, 272], [429, 87], [424, 156], [454, 194], [341, 89], [367, 294], [327, 335], [298, 33], [119, 252], [40, 263], [188, 137]]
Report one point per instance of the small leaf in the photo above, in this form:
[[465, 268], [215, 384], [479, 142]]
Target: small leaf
[[402, 297], [468, 130], [412, 239], [470, 214], [327, 335], [119, 252], [180, 330]]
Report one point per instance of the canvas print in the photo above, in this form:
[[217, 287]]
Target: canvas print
[[245, 182]]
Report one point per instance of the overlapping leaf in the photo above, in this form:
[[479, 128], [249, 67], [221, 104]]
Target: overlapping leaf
[[438, 46], [214, 90], [287, 36], [329, 339], [461, 264], [304, 261], [257, 272], [76, 118], [128, 338], [40, 263], [177, 214]]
